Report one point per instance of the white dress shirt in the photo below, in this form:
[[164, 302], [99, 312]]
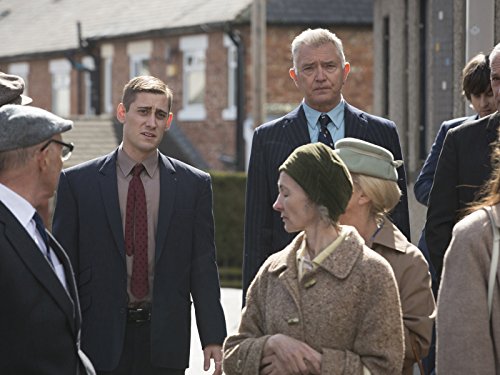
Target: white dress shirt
[[23, 211]]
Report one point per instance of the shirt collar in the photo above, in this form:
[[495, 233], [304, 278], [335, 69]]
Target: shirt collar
[[336, 114], [20, 207], [303, 254], [126, 163]]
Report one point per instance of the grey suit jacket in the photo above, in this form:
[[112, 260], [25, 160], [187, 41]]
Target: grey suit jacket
[[39, 319], [272, 143], [88, 223]]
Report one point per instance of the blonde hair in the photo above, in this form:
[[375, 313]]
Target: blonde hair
[[383, 194]]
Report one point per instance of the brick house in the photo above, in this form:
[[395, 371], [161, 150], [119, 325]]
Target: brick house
[[421, 48], [76, 55]]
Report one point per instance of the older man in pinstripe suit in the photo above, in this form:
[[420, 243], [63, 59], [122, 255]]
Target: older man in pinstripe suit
[[319, 72]]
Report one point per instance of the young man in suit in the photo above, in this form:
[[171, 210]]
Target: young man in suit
[[139, 230], [40, 314], [319, 71], [463, 167], [477, 89]]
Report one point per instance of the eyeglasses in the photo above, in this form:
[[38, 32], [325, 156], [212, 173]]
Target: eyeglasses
[[66, 150]]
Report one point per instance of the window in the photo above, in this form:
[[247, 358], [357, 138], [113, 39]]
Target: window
[[139, 66], [194, 75], [139, 54], [22, 70], [88, 62], [107, 52], [229, 113], [60, 70], [194, 82]]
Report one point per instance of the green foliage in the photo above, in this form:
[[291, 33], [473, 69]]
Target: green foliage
[[229, 212]]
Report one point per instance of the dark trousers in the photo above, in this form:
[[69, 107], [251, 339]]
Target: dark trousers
[[136, 355]]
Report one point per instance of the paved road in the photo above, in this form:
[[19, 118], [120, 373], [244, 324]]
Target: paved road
[[231, 303]]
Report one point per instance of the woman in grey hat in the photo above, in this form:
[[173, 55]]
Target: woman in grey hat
[[326, 304], [375, 194]]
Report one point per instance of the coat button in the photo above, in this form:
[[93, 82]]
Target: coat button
[[310, 283]]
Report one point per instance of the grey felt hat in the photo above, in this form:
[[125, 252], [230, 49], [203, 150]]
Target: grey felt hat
[[24, 126], [366, 158], [11, 89]]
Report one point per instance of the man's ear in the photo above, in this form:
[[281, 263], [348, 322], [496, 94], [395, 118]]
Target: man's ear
[[293, 75], [347, 69], [42, 159], [169, 121], [121, 112]]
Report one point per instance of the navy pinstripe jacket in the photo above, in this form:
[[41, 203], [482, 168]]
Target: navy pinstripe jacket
[[271, 145]]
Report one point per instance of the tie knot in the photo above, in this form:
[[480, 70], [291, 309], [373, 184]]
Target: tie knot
[[324, 120], [138, 168]]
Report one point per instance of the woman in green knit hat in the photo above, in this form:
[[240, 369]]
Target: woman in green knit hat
[[375, 194], [326, 304]]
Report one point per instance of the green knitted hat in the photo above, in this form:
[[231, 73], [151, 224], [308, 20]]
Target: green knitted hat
[[323, 176]]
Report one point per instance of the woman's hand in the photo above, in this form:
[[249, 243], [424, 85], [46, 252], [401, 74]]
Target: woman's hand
[[284, 355]]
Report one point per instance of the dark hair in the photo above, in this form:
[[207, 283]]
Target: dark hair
[[476, 76]]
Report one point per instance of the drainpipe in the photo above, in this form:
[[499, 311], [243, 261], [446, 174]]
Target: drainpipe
[[240, 98]]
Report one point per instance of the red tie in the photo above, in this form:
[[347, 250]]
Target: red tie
[[136, 233]]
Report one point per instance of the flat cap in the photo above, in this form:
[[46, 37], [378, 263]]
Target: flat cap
[[11, 89], [24, 126], [366, 158]]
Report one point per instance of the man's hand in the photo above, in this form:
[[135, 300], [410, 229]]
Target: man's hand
[[213, 351], [285, 355]]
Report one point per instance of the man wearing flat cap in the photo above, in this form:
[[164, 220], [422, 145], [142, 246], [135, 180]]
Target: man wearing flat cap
[[40, 314]]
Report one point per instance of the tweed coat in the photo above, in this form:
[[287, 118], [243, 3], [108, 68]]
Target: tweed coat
[[347, 309], [414, 283], [467, 343]]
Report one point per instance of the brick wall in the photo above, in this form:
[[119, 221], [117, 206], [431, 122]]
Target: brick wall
[[214, 138], [358, 48]]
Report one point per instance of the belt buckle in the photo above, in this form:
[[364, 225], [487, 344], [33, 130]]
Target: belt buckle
[[139, 315]]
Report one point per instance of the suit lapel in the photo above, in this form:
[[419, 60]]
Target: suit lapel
[[37, 264], [295, 128], [70, 280], [168, 190], [355, 124], [109, 191]]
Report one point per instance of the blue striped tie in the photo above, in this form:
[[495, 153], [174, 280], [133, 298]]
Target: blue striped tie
[[324, 134]]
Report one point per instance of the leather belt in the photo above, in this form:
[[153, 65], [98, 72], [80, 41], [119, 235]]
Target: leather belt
[[138, 315]]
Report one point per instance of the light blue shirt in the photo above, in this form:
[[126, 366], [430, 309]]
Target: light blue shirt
[[336, 127], [23, 211]]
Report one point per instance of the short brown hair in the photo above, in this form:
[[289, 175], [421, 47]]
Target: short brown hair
[[476, 76], [148, 84]]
